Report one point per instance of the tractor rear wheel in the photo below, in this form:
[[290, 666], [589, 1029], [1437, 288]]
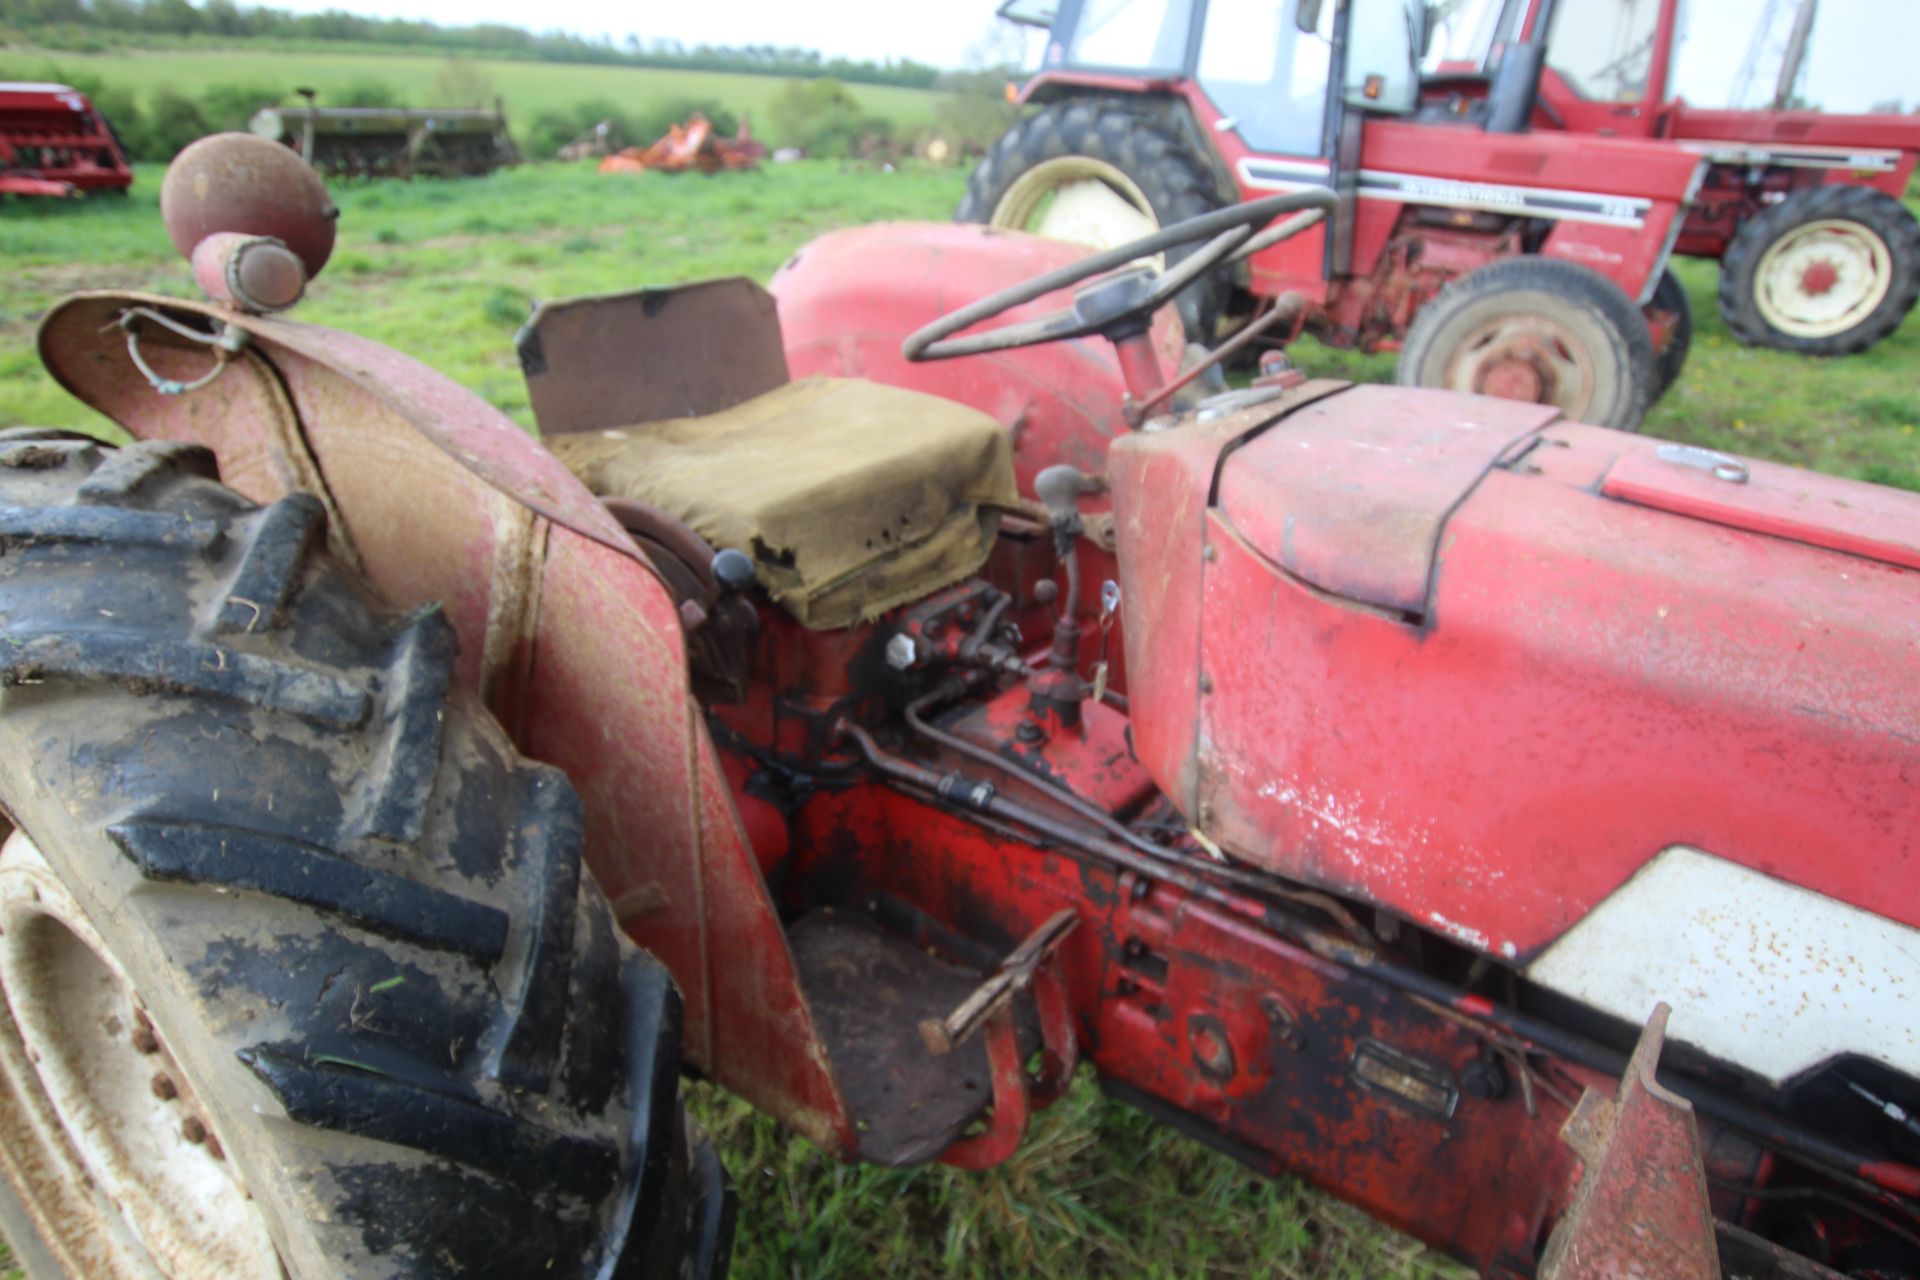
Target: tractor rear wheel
[[1096, 172], [301, 973], [1541, 330], [1826, 272]]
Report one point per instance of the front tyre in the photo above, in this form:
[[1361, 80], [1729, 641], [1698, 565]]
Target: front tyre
[[301, 972], [1828, 271], [1538, 330]]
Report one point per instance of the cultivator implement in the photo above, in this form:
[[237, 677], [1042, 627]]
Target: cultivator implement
[[402, 142]]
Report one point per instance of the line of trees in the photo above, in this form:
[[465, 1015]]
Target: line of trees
[[63, 22]]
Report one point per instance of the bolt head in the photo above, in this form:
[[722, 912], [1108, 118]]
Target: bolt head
[[902, 652]]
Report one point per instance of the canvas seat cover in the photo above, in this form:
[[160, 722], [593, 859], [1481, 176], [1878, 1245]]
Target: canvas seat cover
[[851, 497]]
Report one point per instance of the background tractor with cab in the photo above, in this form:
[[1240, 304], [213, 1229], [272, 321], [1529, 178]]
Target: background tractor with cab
[[1155, 110], [1501, 821], [1494, 259], [1802, 208]]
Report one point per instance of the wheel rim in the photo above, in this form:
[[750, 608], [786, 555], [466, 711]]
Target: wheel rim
[[1077, 199], [1531, 357], [102, 1134], [1823, 278]]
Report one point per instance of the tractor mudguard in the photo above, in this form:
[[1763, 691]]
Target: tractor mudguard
[[1355, 627], [564, 628]]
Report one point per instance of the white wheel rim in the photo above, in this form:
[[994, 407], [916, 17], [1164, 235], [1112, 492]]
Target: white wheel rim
[[1527, 357], [122, 1174], [1823, 278], [1079, 200]]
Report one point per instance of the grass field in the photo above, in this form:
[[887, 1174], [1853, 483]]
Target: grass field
[[446, 271], [528, 88]]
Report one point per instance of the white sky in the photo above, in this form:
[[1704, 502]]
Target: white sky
[[1863, 50]]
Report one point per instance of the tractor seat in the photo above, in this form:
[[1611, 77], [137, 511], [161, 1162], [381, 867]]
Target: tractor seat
[[850, 497]]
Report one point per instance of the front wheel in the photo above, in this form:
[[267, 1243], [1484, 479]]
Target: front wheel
[[1827, 272], [302, 974], [1539, 330]]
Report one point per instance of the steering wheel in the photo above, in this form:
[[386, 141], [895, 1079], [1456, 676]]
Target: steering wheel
[[1127, 299]]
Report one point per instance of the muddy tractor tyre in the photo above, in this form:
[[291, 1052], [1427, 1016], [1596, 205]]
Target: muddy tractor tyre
[[1100, 173], [1541, 330], [1670, 296], [302, 972], [1826, 272]]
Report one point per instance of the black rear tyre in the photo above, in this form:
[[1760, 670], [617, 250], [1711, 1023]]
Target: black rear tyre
[[1826, 272], [1138, 158], [1537, 329], [350, 921]]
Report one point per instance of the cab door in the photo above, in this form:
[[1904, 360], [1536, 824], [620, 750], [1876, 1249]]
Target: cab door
[[1291, 83]]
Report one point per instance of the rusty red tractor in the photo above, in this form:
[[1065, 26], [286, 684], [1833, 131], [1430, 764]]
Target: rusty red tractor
[[1353, 777], [1801, 208]]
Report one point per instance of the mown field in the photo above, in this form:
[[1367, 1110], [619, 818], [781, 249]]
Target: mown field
[[446, 271], [527, 88]]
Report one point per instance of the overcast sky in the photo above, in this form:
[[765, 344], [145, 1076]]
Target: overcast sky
[[1863, 50]]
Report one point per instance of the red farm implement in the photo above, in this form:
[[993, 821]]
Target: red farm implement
[[1506, 823], [54, 143]]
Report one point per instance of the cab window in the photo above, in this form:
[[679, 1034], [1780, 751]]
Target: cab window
[[1266, 75], [1142, 35], [1603, 49]]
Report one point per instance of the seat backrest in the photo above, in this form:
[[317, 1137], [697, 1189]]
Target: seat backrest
[[612, 360]]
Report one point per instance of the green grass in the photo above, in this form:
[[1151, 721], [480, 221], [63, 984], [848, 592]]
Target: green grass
[[528, 88], [445, 271]]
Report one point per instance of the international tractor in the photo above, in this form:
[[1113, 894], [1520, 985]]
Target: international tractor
[[1800, 207], [885, 696], [1530, 265]]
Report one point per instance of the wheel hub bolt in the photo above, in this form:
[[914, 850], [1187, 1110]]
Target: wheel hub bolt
[[164, 1088], [193, 1130]]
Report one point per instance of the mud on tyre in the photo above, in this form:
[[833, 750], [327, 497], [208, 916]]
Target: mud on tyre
[[301, 966], [1137, 158]]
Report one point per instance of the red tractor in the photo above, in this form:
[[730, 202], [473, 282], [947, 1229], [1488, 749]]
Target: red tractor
[[1495, 260], [1351, 776], [54, 143], [1801, 208]]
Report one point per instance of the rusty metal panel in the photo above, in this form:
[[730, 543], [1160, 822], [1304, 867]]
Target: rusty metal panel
[[1822, 511], [1621, 660], [1641, 1208], [1351, 494], [1162, 486], [621, 358]]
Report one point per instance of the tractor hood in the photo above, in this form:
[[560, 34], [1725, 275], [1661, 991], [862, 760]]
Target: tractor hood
[[1639, 718]]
